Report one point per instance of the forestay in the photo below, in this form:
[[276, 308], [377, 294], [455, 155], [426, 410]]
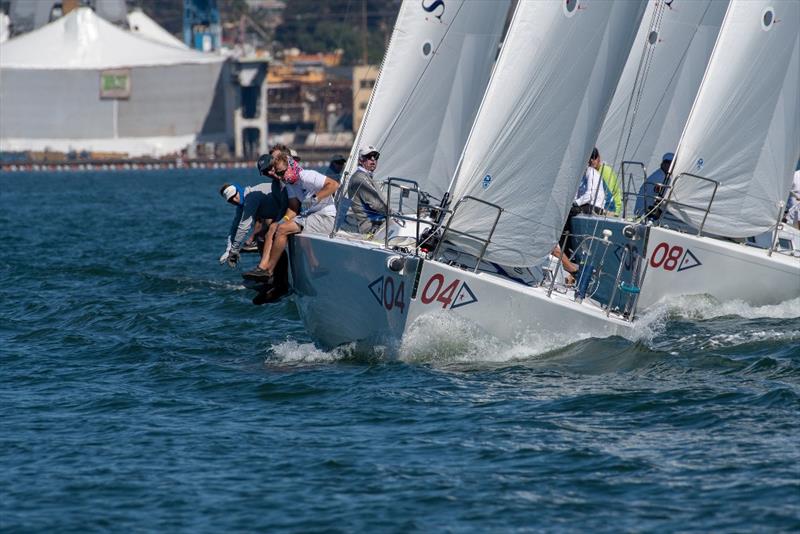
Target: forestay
[[660, 80], [433, 76], [537, 124], [744, 128]]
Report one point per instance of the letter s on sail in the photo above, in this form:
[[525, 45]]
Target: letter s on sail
[[434, 5]]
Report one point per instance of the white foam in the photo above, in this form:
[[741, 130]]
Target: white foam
[[745, 338], [293, 352], [650, 325], [447, 338], [705, 307]]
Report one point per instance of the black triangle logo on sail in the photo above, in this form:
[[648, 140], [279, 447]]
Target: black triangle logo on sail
[[689, 260], [376, 288], [463, 297]]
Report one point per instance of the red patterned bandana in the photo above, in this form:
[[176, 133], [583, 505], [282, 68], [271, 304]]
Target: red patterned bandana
[[292, 173]]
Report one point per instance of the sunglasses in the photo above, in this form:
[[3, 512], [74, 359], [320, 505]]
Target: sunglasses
[[279, 173], [373, 156]]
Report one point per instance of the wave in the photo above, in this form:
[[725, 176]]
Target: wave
[[447, 338], [443, 340], [291, 352], [705, 307]]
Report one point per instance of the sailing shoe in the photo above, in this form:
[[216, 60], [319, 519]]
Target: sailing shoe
[[259, 275], [249, 247]]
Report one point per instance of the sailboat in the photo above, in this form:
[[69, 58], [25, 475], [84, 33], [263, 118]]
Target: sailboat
[[732, 168], [509, 194]]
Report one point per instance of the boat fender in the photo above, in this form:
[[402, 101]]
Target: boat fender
[[396, 263], [628, 289]]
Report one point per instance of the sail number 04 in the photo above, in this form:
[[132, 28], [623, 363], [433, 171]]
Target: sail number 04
[[436, 290], [392, 297]]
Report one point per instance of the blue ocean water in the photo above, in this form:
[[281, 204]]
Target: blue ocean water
[[141, 390]]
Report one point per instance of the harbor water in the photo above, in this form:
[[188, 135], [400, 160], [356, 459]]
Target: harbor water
[[140, 390]]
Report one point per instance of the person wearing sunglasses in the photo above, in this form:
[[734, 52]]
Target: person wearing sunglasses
[[367, 209], [262, 202], [310, 209]]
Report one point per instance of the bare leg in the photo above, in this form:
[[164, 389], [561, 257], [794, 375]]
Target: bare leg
[[278, 245], [258, 228], [268, 240]]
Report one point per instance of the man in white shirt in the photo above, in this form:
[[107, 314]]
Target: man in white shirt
[[311, 209], [793, 205], [591, 197]]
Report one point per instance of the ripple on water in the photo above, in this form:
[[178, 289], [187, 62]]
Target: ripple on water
[[140, 390]]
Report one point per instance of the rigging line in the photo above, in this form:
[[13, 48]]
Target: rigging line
[[684, 55], [654, 24], [422, 74], [643, 70], [642, 82], [352, 157], [642, 73], [408, 98]]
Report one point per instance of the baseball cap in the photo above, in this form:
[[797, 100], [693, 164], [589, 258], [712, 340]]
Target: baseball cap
[[367, 149], [263, 164], [337, 158], [668, 156], [229, 192]]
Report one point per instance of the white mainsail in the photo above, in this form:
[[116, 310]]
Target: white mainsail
[[660, 80], [433, 76], [539, 120], [744, 127]]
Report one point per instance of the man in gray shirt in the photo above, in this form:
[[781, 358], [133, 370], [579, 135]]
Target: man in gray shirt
[[367, 210]]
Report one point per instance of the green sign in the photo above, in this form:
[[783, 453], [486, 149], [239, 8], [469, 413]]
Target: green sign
[[115, 83]]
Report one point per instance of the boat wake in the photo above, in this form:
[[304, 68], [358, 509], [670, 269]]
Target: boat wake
[[291, 352], [445, 338], [700, 307]]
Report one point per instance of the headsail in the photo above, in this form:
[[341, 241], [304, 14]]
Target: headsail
[[660, 80], [540, 117], [744, 128], [433, 76]]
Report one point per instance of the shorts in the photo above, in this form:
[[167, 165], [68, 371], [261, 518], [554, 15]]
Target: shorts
[[316, 223]]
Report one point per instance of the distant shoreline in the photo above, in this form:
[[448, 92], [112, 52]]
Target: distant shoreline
[[123, 165], [137, 165]]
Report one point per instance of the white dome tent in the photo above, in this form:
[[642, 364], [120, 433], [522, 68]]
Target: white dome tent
[[140, 24], [81, 83]]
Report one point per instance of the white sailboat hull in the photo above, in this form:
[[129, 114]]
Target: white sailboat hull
[[684, 264], [357, 297]]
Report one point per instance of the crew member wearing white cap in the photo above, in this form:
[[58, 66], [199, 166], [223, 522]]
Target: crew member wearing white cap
[[650, 192], [368, 209], [310, 209], [265, 201]]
